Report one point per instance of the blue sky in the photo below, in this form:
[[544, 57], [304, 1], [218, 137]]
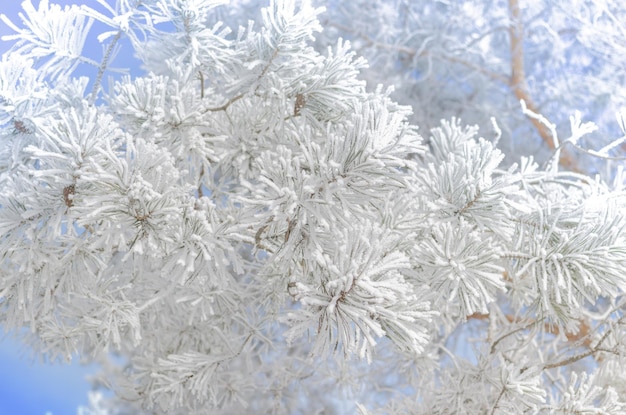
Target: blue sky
[[35, 388], [27, 387]]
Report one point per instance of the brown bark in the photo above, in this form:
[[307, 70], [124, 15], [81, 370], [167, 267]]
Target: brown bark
[[517, 81]]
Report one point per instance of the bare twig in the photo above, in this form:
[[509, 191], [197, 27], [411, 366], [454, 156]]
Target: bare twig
[[411, 52], [200, 192], [238, 97], [597, 348], [201, 76], [103, 67], [495, 405], [225, 106], [582, 335]]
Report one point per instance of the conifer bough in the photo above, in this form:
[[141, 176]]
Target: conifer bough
[[244, 226]]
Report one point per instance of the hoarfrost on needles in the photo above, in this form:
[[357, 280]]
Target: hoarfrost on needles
[[249, 225]]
